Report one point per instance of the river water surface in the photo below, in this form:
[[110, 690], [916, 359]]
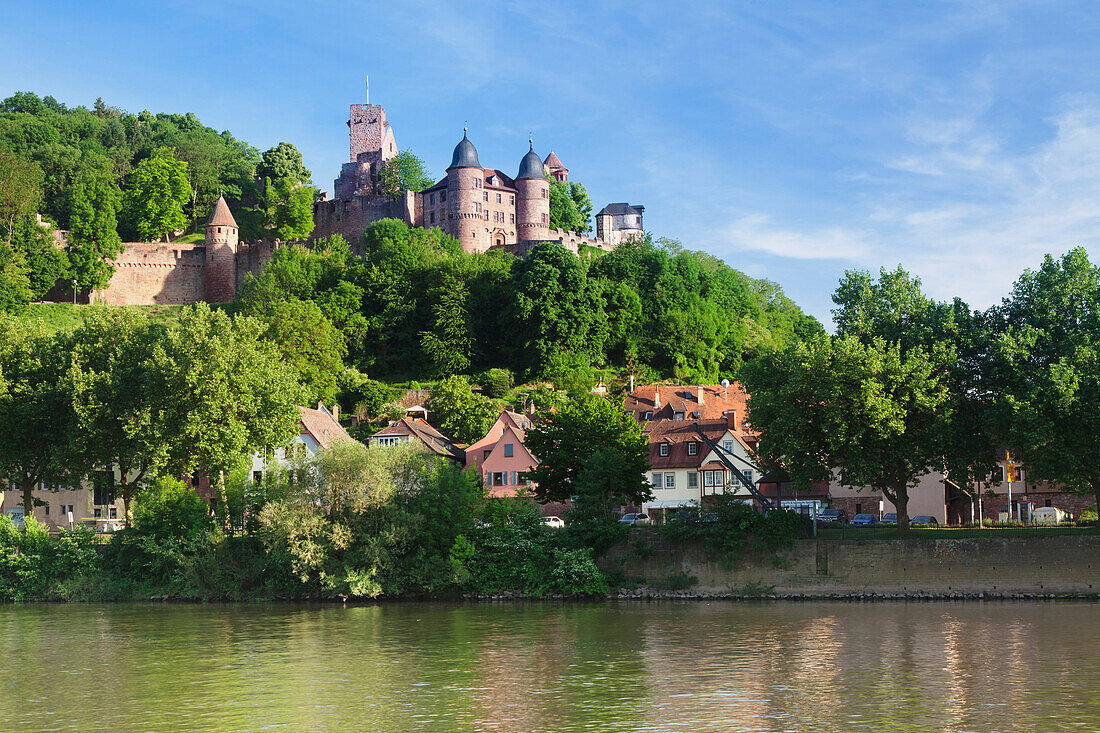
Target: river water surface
[[626, 666]]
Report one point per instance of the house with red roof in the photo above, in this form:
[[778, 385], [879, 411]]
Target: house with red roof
[[417, 431]]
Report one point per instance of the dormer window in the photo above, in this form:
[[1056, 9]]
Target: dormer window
[[678, 416], [693, 449], [649, 416], [663, 450]]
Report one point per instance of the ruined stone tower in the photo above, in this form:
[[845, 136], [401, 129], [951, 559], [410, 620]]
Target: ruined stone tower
[[221, 254], [532, 199]]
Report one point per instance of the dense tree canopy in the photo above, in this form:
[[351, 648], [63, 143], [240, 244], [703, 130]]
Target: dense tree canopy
[[404, 172], [156, 193]]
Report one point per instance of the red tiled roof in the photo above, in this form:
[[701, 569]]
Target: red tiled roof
[[674, 398], [221, 216], [552, 161], [322, 426], [432, 439], [677, 434]]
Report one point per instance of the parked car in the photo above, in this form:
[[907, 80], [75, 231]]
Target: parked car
[[923, 519], [109, 525], [634, 519], [889, 518], [833, 515], [552, 522], [864, 519]]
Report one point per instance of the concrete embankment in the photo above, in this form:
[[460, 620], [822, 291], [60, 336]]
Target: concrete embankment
[[995, 567]]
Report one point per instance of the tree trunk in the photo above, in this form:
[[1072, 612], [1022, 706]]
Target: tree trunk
[[901, 503], [225, 500], [28, 497], [1096, 493]]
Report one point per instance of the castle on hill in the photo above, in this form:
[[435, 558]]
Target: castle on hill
[[483, 208]]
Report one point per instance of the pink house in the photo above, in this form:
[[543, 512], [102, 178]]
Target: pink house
[[501, 458]]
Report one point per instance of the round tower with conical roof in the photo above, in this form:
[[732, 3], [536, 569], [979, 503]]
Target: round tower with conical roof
[[221, 254], [465, 185], [532, 199]]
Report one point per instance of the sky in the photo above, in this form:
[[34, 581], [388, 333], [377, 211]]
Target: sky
[[794, 140]]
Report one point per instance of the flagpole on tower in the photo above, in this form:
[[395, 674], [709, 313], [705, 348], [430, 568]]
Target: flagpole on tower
[[368, 89]]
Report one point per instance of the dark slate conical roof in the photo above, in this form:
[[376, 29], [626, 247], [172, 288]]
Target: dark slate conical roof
[[531, 165], [465, 155]]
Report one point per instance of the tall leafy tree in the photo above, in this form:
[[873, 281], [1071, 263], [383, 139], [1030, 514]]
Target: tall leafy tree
[[20, 189], [47, 263], [224, 391], [581, 200], [284, 162], [289, 208], [119, 420], [404, 172], [590, 445], [35, 406], [307, 341], [449, 342], [156, 193], [459, 411], [564, 213], [1046, 363], [94, 243], [15, 282]]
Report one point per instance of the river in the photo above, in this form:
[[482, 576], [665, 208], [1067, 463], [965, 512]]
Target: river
[[619, 666]]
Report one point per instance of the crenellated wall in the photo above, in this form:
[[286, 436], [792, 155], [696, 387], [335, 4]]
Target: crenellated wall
[[148, 273]]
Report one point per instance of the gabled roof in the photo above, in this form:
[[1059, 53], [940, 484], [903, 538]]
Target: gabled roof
[[322, 426], [677, 434], [221, 216], [433, 440]]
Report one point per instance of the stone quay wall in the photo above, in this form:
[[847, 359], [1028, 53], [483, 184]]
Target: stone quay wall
[[995, 566]]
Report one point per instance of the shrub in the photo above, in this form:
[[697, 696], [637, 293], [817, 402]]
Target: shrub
[[575, 574], [495, 383]]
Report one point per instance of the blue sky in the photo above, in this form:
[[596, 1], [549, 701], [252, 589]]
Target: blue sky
[[794, 140]]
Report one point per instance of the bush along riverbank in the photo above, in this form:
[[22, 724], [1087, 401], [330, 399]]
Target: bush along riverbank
[[350, 524]]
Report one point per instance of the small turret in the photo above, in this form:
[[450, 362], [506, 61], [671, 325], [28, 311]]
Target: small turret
[[465, 181], [221, 254], [532, 199]]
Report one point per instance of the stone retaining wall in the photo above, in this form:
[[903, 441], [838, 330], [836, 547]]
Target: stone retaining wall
[[999, 566]]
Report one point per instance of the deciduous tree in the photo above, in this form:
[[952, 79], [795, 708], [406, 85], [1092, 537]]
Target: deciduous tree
[[404, 172], [93, 238], [156, 193]]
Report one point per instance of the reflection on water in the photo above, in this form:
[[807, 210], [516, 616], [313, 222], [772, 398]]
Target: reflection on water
[[554, 667]]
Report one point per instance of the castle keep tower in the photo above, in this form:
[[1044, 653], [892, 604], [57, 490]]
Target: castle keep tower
[[532, 199], [221, 254], [465, 181]]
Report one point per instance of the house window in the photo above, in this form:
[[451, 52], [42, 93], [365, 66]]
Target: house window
[[727, 446], [433, 217], [711, 478], [477, 206], [678, 416], [114, 512], [103, 487], [748, 477], [658, 481], [693, 449], [498, 198], [46, 509], [498, 479], [859, 508], [670, 481], [649, 416], [195, 478], [507, 450], [97, 513], [431, 199], [663, 449], [693, 480], [485, 454]]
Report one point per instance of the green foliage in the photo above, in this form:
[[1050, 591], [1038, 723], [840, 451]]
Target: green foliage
[[94, 200], [1046, 365], [15, 281], [307, 341], [284, 163], [459, 412], [46, 262], [495, 383], [155, 195], [729, 526], [289, 206], [20, 189], [36, 566], [404, 172], [593, 450], [169, 510]]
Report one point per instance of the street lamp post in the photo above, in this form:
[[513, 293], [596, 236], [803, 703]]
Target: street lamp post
[[74, 291]]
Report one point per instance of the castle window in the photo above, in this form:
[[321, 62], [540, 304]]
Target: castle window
[[544, 219], [433, 217], [484, 195], [511, 218], [512, 200], [545, 193], [442, 195], [431, 198], [219, 230], [498, 198], [477, 183], [477, 207]]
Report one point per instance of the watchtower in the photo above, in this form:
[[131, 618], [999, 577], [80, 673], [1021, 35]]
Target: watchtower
[[221, 254]]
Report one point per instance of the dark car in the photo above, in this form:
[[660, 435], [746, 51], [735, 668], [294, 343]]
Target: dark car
[[889, 518], [833, 515], [864, 519], [927, 519]]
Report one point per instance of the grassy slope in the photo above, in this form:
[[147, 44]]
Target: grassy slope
[[65, 316]]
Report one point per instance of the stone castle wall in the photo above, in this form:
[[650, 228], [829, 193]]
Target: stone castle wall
[[351, 217], [152, 273]]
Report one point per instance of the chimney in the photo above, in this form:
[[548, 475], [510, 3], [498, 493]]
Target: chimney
[[699, 394], [320, 405], [336, 411], [631, 384], [731, 419], [656, 397]]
